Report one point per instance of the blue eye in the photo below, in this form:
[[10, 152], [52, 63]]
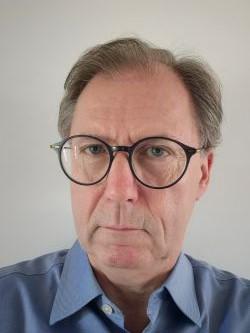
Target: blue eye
[[156, 151], [94, 149]]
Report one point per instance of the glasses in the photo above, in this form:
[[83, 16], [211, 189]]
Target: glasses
[[156, 162]]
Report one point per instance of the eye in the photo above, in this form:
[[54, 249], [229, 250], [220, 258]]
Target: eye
[[157, 151], [94, 149]]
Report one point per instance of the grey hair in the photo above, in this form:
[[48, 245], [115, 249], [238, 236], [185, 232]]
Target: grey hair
[[112, 57]]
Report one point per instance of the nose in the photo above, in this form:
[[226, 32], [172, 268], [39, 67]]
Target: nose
[[121, 186]]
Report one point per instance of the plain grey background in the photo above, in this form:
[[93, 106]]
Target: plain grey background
[[40, 41]]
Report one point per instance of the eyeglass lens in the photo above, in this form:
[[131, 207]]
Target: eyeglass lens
[[155, 162]]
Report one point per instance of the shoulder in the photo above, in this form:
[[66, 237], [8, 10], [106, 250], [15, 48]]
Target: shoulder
[[222, 296], [27, 288], [40, 266], [203, 270]]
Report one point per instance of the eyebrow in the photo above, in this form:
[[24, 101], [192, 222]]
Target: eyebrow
[[108, 139], [99, 136]]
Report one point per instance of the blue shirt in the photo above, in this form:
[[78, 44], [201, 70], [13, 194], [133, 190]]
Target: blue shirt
[[58, 292]]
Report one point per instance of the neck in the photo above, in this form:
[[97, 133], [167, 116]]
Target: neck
[[128, 287], [131, 299]]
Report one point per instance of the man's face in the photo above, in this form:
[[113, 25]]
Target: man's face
[[120, 222]]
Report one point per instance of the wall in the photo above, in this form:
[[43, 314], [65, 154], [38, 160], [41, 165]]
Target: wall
[[40, 40]]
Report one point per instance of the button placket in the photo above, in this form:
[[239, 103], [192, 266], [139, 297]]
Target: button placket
[[107, 309]]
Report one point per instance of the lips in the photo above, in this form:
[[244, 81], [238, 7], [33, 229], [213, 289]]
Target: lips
[[121, 228]]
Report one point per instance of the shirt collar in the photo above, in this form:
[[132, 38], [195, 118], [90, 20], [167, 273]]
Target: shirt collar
[[181, 286], [77, 285]]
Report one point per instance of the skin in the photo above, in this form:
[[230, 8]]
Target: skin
[[132, 234]]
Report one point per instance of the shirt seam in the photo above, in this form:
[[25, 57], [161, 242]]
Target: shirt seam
[[220, 278], [34, 274]]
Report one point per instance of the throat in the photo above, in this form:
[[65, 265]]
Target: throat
[[136, 322], [134, 309]]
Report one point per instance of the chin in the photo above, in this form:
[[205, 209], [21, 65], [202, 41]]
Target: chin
[[122, 257]]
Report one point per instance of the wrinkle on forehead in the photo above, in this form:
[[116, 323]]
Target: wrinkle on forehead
[[132, 105]]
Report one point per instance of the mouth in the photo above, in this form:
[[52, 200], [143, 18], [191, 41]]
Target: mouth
[[121, 235], [121, 228]]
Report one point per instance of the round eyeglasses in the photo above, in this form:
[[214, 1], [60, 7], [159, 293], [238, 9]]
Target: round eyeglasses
[[156, 162]]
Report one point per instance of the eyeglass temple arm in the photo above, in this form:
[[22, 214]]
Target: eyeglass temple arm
[[55, 146]]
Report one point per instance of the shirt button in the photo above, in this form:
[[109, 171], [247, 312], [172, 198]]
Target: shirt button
[[107, 309]]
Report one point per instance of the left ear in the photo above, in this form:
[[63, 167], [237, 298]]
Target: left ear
[[207, 159]]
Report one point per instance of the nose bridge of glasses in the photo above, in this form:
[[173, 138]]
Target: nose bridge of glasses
[[116, 149], [125, 153], [120, 173]]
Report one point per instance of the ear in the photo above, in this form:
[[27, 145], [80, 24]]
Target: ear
[[207, 159]]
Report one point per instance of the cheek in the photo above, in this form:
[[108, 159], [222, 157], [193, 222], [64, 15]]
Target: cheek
[[83, 200], [174, 208], [167, 205], [163, 206], [185, 194]]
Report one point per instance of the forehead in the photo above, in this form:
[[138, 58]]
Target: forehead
[[134, 104]]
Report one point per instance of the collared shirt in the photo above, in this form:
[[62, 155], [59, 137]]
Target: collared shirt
[[58, 292]]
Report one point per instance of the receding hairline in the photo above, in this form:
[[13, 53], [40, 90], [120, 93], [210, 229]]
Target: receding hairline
[[142, 73], [134, 72], [115, 56]]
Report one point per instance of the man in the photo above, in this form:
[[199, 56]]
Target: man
[[138, 129]]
